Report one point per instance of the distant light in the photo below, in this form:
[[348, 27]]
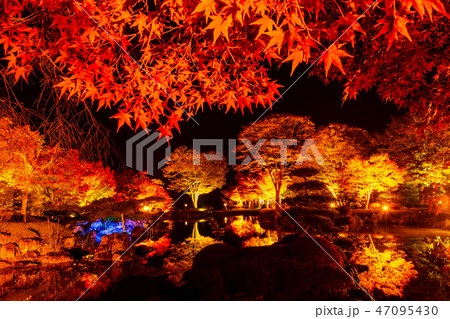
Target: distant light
[[225, 219], [385, 207], [333, 204], [185, 223]]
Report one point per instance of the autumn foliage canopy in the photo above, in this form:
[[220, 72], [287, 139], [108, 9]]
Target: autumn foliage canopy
[[162, 62]]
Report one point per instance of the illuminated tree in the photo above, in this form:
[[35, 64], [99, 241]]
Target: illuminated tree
[[97, 182], [68, 180], [246, 190], [201, 179], [425, 157], [306, 184], [138, 186], [57, 183], [6, 196], [22, 158], [338, 144], [279, 156], [255, 188], [389, 269], [64, 123], [213, 51], [376, 174], [412, 71], [57, 177]]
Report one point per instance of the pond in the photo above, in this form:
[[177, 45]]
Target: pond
[[68, 282], [416, 257]]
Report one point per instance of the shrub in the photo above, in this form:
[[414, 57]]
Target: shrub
[[432, 256], [389, 271], [50, 233], [245, 228], [159, 247], [259, 241], [319, 223]]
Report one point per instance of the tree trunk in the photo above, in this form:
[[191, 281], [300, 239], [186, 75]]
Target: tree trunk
[[368, 199], [23, 209], [194, 198], [195, 233], [333, 193], [277, 197]]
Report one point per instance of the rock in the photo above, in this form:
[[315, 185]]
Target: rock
[[121, 242], [28, 244], [115, 242], [7, 279], [69, 242], [121, 257], [205, 284], [112, 246], [25, 280], [136, 233], [216, 254], [5, 238], [103, 255], [30, 255], [265, 273], [45, 249], [56, 258], [308, 250], [104, 246], [257, 276], [274, 251], [4, 264], [10, 252]]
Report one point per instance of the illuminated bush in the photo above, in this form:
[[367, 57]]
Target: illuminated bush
[[159, 247], [259, 241], [245, 228], [432, 257], [389, 271]]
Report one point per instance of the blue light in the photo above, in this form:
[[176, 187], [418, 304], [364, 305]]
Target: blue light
[[107, 227]]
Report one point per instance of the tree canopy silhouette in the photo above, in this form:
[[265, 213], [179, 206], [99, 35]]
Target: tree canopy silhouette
[[162, 62]]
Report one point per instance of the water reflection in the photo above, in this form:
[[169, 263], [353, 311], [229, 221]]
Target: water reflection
[[69, 282]]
